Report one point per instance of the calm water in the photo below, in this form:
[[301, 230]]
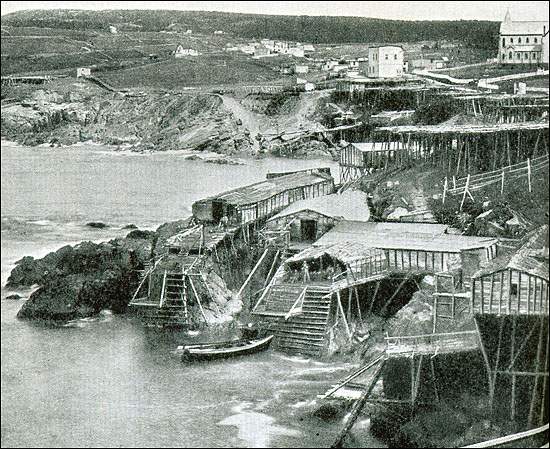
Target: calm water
[[107, 381]]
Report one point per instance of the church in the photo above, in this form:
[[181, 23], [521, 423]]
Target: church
[[523, 42]]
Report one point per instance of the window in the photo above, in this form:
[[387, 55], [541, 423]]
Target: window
[[536, 40], [510, 55], [387, 56], [534, 55], [511, 40], [526, 40], [395, 57], [519, 40], [503, 41], [513, 289], [518, 55], [526, 55]]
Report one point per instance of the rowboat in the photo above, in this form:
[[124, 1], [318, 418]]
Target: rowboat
[[224, 349]]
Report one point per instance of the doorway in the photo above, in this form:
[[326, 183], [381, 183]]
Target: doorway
[[309, 230]]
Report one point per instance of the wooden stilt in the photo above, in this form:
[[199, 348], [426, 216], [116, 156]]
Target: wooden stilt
[[485, 359], [513, 393], [394, 294], [358, 406], [537, 369], [197, 298], [373, 298]]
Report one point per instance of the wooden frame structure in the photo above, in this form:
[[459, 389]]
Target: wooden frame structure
[[466, 148]]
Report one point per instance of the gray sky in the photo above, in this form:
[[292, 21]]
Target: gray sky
[[485, 10]]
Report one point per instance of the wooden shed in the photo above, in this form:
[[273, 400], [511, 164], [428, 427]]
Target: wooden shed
[[515, 283], [307, 220], [356, 159], [263, 199], [417, 246]]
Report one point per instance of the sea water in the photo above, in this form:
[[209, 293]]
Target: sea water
[[107, 381]]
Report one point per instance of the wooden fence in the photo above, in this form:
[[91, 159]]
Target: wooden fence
[[471, 183]]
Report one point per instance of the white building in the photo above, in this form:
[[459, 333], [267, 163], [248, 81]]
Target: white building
[[83, 71], [112, 29], [297, 52], [385, 62], [301, 68], [182, 52], [281, 47], [545, 48], [522, 42]]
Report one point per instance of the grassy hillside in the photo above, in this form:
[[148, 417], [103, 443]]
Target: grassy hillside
[[191, 71], [316, 29]]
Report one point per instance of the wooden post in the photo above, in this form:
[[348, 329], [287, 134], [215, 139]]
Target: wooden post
[[513, 393], [466, 187], [197, 297], [537, 369], [373, 298], [163, 288], [383, 309], [502, 184], [529, 174], [434, 379], [485, 358], [343, 314], [358, 305], [358, 406], [444, 190], [494, 377], [435, 312]]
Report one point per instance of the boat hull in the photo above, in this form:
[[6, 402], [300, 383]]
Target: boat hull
[[225, 350]]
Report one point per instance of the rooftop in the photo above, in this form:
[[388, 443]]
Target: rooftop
[[408, 236], [528, 258], [263, 190], [464, 129], [350, 205], [345, 252], [530, 27]]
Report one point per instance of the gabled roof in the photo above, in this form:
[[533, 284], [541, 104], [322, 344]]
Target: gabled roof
[[531, 27], [406, 236], [345, 252], [263, 190], [527, 259], [350, 205]]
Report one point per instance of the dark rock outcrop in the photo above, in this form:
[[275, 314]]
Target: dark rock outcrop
[[82, 280]]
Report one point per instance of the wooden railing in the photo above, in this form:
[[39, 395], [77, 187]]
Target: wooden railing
[[514, 439], [297, 306]]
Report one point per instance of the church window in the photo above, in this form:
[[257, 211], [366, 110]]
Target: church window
[[519, 40]]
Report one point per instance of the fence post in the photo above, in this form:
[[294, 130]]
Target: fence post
[[502, 184], [466, 190], [445, 190], [454, 182], [529, 173]]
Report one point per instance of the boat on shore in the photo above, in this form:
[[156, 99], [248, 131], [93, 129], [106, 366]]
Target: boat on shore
[[224, 349]]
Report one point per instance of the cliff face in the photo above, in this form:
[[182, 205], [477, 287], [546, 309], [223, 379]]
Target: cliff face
[[63, 113]]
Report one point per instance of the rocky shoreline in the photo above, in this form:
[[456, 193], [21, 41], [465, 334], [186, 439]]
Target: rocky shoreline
[[65, 113]]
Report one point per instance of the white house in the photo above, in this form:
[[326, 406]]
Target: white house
[[83, 71], [522, 42], [281, 47], [112, 29], [385, 62], [309, 47], [182, 52], [297, 52], [301, 68]]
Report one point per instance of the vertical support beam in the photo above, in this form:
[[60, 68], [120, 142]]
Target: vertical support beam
[[537, 370], [513, 393], [485, 358]]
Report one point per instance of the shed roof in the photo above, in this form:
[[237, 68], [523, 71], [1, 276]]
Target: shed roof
[[345, 252], [350, 205], [263, 190], [464, 129], [528, 258], [407, 236]]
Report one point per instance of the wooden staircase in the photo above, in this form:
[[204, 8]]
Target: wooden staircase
[[305, 332]]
